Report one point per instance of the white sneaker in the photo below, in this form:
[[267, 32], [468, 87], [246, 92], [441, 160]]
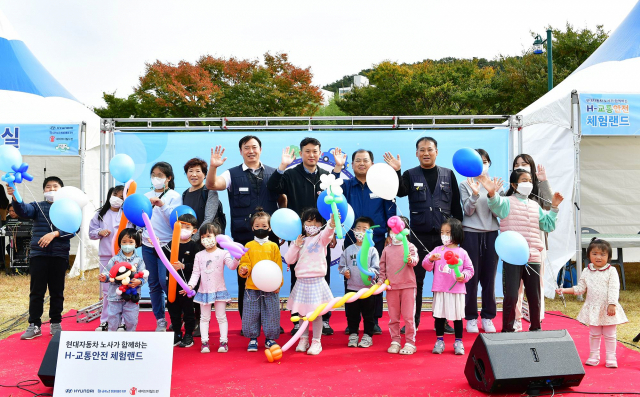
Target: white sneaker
[[315, 349], [487, 325], [517, 326], [472, 326], [303, 345]]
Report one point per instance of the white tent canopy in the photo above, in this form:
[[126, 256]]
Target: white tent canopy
[[549, 138], [30, 95]]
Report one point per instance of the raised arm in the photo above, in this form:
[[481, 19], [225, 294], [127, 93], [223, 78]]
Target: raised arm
[[215, 182]]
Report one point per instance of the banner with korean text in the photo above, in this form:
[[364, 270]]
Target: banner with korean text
[[42, 139], [610, 114]]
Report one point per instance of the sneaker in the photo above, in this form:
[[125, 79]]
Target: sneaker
[[439, 347], [205, 348], [196, 331], [33, 331], [458, 348], [366, 341], [253, 345], [377, 330], [487, 325], [187, 341], [394, 348], [316, 347], [303, 345], [472, 326], [55, 328], [269, 342], [121, 328], [517, 326], [177, 339], [295, 329], [103, 327], [161, 325], [224, 347], [346, 331], [353, 340], [281, 330], [447, 328], [326, 329]]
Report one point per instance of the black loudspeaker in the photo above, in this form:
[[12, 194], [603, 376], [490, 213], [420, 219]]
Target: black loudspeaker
[[523, 361], [47, 371]]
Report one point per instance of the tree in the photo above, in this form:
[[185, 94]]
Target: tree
[[214, 87]]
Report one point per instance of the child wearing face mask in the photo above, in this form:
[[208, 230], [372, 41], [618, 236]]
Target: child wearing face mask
[[104, 226], [182, 308], [124, 311], [309, 253], [522, 215], [260, 308], [349, 268], [449, 290], [208, 268], [401, 298]]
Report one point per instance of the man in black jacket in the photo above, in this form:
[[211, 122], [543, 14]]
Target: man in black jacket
[[301, 184]]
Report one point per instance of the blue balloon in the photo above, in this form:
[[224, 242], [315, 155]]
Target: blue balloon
[[122, 167], [179, 211], [348, 222], [325, 209], [66, 215], [133, 207], [467, 162], [512, 248], [9, 156], [286, 224]]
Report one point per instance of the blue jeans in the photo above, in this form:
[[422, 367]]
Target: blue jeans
[[157, 280]]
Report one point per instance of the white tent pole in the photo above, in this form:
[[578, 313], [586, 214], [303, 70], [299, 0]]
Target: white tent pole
[[575, 128], [83, 136]]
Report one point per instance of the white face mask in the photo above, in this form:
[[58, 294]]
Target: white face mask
[[525, 188], [158, 183], [359, 235], [208, 242], [312, 230], [524, 168], [185, 234], [115, 201], [446, 240], [49, 196], [485, 169], [394, 241]]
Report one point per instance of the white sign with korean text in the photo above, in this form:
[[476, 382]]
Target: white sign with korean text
[[114, 364]]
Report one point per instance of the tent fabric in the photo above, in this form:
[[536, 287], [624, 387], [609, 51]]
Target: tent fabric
[[548, 137]]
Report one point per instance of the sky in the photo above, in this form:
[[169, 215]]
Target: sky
[[95, 46]]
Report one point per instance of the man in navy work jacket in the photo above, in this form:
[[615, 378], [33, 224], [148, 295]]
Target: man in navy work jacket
[[365, 203], [246, 185], [433, 197]]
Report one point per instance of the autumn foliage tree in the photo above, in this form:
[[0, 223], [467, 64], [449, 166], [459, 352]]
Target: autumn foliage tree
[[214, 87]]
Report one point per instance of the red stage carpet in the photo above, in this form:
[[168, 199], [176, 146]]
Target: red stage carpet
[[337, 371]]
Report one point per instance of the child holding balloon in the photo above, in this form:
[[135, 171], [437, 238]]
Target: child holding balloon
[[309, 253], [261, 308], [208, 268], [601, 310], [401, 298], [104, 227], [452, 268], [518, 213]]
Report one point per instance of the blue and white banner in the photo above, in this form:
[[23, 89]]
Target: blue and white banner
[[610, 114], [177, 148], [42, 139]]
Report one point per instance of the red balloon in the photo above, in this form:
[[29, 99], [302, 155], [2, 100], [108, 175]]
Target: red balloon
[[448, 255]]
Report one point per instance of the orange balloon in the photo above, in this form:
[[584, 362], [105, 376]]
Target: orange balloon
[[123, 220], [274, 353], [175, 251]]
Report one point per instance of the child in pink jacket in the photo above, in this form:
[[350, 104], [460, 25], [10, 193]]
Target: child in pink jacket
[[448, 290], [401, 297]]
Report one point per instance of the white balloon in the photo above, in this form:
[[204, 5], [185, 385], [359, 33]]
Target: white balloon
[[266, 275], [382, 179], [74, 194]]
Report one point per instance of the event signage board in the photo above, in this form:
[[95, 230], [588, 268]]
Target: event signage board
[[42, 139], [114, 363], [609, 114]]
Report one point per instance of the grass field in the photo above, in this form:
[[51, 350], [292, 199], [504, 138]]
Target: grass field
[[14, 293]]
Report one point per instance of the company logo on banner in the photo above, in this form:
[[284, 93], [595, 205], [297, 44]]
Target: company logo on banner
[[42, 139], [610, 114]]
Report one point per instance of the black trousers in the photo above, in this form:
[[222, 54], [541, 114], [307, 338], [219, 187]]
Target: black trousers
[[457, 327], [47, 272], [529, 274], [377, 299], [361, 308], [327, 278], [481, 248], [182, 309], [430, 241]]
